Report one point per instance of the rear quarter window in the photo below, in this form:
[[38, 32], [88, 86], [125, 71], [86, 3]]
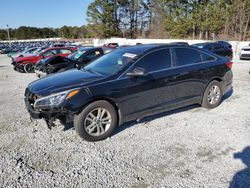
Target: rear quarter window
[[206, 57], [186, 56]]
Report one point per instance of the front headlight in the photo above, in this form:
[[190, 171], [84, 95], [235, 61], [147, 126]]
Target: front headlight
[[55, 100]]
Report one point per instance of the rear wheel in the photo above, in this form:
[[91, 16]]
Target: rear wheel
[[29, 68], [213, 95], [96, 122]]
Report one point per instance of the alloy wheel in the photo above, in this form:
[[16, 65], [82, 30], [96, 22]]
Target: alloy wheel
[[213, 94], [97, 122]]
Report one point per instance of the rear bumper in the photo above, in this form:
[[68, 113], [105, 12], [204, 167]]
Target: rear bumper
[[228, 88], [228, 82]]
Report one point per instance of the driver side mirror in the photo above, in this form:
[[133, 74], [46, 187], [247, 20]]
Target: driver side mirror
[[137, 72]]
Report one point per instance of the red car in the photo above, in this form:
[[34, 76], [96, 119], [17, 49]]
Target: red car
[[26, 64]]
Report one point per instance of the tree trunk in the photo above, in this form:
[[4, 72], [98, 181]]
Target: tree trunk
[[213, 34], [201, 35], [193, 31], [246, 27]]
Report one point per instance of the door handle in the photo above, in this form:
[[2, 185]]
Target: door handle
[[170, 78], [183, 73]]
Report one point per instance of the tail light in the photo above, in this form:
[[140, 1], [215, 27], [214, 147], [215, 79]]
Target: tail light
[[229, 64]]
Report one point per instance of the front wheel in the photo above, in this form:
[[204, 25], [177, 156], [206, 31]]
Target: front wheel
[[96, 122], [29, 68], [213, 95]]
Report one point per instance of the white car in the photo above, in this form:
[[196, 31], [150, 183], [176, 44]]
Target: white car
[[245, 53]]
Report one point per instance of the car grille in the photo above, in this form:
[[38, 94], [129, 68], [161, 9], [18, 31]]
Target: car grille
[[246, 49], [245, 56]]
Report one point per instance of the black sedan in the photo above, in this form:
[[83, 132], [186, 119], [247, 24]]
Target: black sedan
[[221, 48], [127, 84], [76, 60]]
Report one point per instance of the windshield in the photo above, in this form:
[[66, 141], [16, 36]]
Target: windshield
[[110, 63], [76, 55], [37, 52]]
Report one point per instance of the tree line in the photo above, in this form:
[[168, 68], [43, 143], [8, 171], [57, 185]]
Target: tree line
[[193, 19], [183, 19], [25, 32]]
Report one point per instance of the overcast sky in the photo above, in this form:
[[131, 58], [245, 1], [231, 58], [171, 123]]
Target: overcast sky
[[43, 13]]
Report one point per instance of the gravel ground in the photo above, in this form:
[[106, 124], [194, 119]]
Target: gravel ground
[[191, 147]]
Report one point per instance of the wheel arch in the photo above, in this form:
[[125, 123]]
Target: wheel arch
[[207, 84], [114, 104]]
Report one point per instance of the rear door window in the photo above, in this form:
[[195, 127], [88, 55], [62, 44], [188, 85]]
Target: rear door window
[[186, 56], [155, 61]]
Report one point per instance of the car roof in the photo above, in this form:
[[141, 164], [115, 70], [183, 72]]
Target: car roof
[[88, 48], [56, 48], [145, 48]]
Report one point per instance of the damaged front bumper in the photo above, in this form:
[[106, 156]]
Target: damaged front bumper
[[17, 66], [49, 115]]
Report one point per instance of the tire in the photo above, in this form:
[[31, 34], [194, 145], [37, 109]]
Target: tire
[[213, 95], [29, 68], [87, 122]]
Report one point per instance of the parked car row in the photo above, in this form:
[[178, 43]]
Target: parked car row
[[27, 62], [11, 48], [75, 60], [102, 91]]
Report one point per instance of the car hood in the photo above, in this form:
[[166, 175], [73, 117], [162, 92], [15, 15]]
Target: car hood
[[22, 54], [25, 58], [63, 81]]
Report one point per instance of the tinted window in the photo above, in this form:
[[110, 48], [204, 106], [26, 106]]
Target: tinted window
[[185, 56], [50, 52], [206, 57], [157, 60], [76, 55], [93, 54], [65, 51]]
